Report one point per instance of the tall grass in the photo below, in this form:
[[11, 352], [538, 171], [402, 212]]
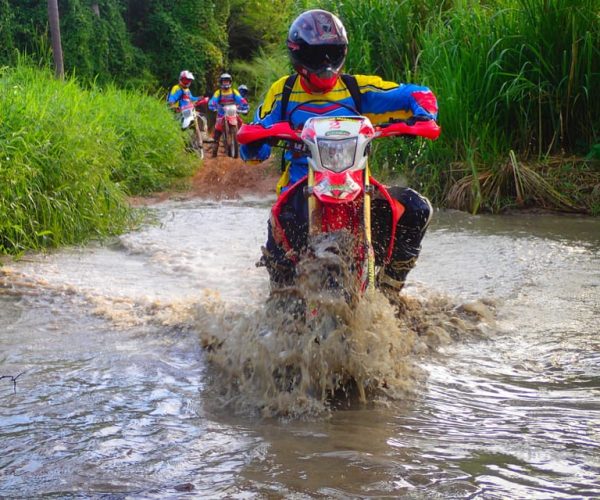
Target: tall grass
[[151, 146], [510, 75], [523, 70], [260, 73], [515, 75], [69, 156], [384, 35]]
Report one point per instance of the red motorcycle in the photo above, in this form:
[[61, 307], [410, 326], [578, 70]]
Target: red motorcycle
[[339, 189], [337, 265], [230, 130]]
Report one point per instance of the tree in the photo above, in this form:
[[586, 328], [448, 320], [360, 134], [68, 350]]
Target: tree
[[56, 43]]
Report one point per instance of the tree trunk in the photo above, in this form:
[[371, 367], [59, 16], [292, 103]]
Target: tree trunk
[[59, 68], [96, 8]]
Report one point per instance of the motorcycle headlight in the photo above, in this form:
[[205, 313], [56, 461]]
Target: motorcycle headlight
[[337, 155]]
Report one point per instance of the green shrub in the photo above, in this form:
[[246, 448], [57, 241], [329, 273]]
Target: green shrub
[[69, 156], [151, 144], [510, 75]]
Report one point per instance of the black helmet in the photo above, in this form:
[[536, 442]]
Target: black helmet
[[243, 90], [318, 44]]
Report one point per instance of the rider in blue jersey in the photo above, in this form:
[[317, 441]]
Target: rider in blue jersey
[[225, 95], [317, 45], [181, 94]]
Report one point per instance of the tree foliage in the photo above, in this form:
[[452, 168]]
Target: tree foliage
[[255, 25], [131, 42]]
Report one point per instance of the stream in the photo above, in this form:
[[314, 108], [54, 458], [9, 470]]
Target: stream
[[109, 392]]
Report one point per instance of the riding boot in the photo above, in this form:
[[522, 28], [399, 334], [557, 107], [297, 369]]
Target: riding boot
[[281, 270], [393, 276], [407, 242], [215, 147], [204, 130]]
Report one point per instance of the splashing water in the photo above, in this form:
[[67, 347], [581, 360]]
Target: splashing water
[[270, 361]]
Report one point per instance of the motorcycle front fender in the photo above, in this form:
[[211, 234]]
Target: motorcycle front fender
[[186, 123], [338, 188]]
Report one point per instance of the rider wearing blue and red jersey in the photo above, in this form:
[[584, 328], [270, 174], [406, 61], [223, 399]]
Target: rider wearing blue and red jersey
[[317, 45], [225, 95], [381, 101], [181, 94]]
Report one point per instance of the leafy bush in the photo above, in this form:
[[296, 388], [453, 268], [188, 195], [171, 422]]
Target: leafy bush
[[68, 157]]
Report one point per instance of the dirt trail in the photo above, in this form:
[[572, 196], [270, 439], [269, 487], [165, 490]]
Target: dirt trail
[[222, 178], [225, 177]]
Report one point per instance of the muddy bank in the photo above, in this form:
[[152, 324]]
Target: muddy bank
[[222, 178]]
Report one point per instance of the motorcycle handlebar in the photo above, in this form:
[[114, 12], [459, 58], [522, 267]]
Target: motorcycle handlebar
[[421, 128], [279, 131], [283, 131]]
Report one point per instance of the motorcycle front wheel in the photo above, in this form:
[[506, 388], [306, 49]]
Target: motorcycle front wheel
[[231, 144], [198, 141]]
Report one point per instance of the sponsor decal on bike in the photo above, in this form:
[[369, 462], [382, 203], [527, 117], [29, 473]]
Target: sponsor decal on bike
[[337, 132]]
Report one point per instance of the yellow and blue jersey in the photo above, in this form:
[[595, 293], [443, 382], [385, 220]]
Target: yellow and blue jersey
[[223, 97], [179, 95], [381, 101]]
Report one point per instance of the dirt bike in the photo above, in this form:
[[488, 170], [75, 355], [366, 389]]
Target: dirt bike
[[339, 190], [193, 121], [230, 130], [334, 256]]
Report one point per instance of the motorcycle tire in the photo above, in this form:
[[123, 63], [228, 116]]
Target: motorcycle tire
[[234, 147], [231, 144], [198, 141]]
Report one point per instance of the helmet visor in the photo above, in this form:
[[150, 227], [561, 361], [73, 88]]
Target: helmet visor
[[318, 57]]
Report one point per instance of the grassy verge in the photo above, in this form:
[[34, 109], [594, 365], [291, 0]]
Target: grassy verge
[[69, 157], [517, 108], [516, 82]]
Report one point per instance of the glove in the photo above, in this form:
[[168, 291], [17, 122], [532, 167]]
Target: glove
[[424, 104], [202, 102], [255, 151]]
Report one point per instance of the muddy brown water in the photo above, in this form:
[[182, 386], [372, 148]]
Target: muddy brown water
[[493, 376]]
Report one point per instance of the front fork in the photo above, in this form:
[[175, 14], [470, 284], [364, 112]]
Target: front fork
[[368, 235], [314, 227]]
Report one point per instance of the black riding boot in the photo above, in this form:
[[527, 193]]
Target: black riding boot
[[407, 244], [393, 276], [281, 271]]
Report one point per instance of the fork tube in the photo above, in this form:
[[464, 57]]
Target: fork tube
[[313, 223], [367, 218]]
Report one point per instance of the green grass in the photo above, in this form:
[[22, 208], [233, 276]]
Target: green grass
[[513, 78], [69, 157], [151, 146]]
